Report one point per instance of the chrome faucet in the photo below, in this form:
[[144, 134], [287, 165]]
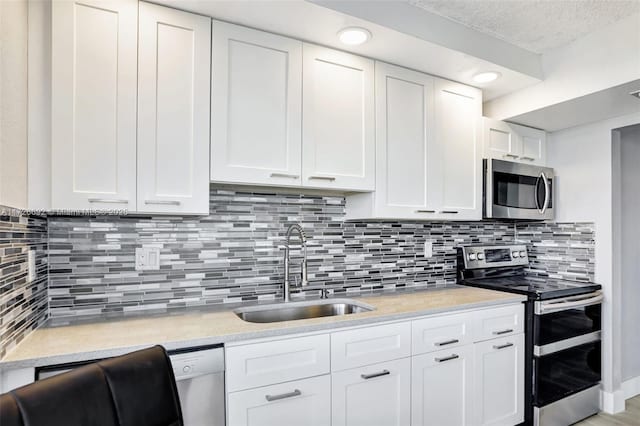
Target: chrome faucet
[[303, 242]]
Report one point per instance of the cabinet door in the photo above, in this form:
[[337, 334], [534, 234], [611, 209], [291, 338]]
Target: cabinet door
[[442, 388], [256, 107], [533, 144], [405, 151], [499, 381], [300, 403], [338, 120], [376, 395], [173, 111], [500, 140], [458, 110], [93, 126]]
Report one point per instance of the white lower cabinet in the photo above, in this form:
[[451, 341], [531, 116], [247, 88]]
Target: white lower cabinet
[[375, 395], [442, 388], [461, 369], [304, 402], [499, 376]]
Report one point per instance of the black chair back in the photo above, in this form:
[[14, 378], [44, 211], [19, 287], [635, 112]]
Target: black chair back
[[137, 389]]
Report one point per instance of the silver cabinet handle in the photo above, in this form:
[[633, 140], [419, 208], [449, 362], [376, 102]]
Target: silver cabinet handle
[[511, 156], [499, 332], [425, 211], [371, 376], [447, 358], [447, 342], [284, 175], [329, 178], [108, 200], [163, 202], [528, 158], [449, 211], [296, 392], [506, 345]]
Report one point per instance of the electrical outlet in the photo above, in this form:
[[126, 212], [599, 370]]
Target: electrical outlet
[[31, 265], [428, 249], [147, 259]]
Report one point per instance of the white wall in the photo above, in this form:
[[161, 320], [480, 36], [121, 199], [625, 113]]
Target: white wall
[[630, 250], [13, 103], [582, 158]]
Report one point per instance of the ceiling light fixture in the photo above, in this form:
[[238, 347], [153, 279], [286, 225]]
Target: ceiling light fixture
[[354, 36], [636, 94], [486, 77]]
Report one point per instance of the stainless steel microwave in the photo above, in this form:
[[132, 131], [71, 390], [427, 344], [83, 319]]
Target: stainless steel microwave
[[517, 191]]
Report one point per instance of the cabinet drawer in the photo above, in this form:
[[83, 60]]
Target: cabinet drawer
[[261, 364], [434, 334], [499, 322], [302, 402], [364, 346]]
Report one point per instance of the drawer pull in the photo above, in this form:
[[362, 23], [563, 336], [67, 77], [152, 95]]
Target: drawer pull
[[511, 156], [329, 178], [448, 211], [271, 398], [447, 358], [108, 200], [506, 345], [498, 333], [447, 342], [284, 175], [425, 211], [163, 202], [371, 376], [528, 158]]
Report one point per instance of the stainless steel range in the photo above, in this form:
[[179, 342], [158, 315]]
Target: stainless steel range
[[562, 332]]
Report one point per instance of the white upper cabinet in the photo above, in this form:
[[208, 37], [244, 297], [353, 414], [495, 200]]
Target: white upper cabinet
[[256, 107], [428, 160], [405, 149], [458, 127], [94, 56], [173, 111], [338, 120], [512, 142]]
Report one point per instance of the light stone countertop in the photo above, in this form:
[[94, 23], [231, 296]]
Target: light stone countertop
[[101, 339]]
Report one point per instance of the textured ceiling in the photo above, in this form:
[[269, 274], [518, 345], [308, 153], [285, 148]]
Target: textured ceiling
[[535, 25]]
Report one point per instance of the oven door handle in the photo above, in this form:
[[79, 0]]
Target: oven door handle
[[547, 307]]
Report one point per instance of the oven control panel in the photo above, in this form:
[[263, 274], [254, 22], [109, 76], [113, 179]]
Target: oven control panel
[[494, 256]]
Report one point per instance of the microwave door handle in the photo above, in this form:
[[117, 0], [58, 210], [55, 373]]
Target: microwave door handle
[[547, 192], [535, 196]]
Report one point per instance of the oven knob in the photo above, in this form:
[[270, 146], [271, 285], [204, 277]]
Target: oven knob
[[480, 256], [472, 256], [515, 254], [186, 368], [523, 254]]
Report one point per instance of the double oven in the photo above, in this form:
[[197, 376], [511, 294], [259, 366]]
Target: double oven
[[562, 332], [566, 361]]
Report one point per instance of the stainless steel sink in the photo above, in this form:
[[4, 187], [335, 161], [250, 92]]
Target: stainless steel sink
[[301, 310]]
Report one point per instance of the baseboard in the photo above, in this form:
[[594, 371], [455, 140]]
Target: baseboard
[[631, 387], [612, 402]]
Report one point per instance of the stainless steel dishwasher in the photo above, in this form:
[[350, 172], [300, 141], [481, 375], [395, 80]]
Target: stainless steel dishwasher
[[199, 377]]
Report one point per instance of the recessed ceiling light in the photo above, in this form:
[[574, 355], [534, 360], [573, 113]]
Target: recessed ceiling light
[[636, 94], [486, 77], [354, 36]]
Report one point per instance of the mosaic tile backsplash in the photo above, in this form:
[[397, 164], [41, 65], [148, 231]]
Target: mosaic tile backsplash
[[23, 303], [560, 250], [234, 255]]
